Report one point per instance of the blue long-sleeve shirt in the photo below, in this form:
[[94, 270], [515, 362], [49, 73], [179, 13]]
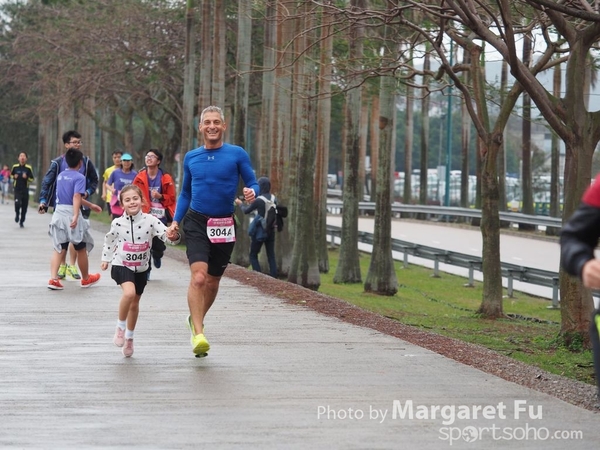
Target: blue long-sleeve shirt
[[210, 180]]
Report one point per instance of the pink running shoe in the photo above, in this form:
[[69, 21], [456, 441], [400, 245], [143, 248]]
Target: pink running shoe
[[55, 285], [119, 338], [92, 279], [128, 348]]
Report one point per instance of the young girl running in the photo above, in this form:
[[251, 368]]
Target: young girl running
[[127, 247]]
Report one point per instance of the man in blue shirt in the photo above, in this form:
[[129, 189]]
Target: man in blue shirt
[[210, 178]]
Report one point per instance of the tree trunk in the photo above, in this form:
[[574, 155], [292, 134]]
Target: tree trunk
[[348, 269], [189, 86], [281, 136], [241, 250], [555, 161], [362, 146], [304, 269], [424, 166], [267, 120], [219, 61], [502, 205], [374, 141], [408, 145], [205, 67], [465, 138], [323, 130], [491, 305], [527, 170], [576, 301], [381, 277]]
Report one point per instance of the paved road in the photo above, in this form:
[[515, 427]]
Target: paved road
[[537, 253], [278, 376]]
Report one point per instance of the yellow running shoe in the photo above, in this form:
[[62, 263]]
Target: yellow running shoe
[[62, 271], [72, 270], [200, 345]]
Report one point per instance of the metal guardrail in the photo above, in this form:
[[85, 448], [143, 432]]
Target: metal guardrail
[[439, 211], [511, 272]]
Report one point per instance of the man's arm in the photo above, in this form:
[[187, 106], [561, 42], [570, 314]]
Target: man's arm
[[29, 174], [91, 182], [48, 180]]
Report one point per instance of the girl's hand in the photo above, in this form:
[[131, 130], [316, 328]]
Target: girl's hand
[[104, 265]]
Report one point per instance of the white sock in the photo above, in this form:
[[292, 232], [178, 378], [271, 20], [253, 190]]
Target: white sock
[[121, 324], [128, 334]]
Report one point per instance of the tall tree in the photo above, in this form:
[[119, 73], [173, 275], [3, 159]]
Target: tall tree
[[304, 268], [348, 269], [408, 139], [323, 131], [465, 141], [207, 51], [374, 141], [425, 101], [568, 116], [381, 277], [281, 132], [189, 85], [526, 165], [555, 152]]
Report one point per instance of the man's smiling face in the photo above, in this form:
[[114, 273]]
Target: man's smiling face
[[212, 129]]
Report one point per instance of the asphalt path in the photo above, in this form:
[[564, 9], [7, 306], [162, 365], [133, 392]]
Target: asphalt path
[[530, 251], [278, 375]]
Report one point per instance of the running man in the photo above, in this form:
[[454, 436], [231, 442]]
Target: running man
[[22, 174], [210, 179]]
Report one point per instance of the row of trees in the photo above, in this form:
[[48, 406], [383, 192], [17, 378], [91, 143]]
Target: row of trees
[[107, 67]]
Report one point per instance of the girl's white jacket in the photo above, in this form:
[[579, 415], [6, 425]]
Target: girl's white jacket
[[129, 240]]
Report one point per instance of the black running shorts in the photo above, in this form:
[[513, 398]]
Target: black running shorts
[[199, 247], [122, 274]]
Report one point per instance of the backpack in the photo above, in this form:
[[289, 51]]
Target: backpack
[[256, 230], [269, 222]]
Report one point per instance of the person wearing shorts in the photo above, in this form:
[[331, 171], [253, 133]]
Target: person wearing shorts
[[67, 225], [127, 248], [212, 173]]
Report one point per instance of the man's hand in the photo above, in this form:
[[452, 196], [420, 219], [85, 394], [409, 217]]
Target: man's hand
[[43, 208], [96, 208], [173, 231], [591, 274], [248, 194]]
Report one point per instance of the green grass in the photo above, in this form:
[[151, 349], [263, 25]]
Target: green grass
[[445, 306]]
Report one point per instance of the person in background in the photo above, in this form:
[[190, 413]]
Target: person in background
[[71, 140], [259, 206], [211, 174], [67, 225], [106, 194], [22, 174], [118, 179], [4, 181], [127, 248], [158, 189]]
